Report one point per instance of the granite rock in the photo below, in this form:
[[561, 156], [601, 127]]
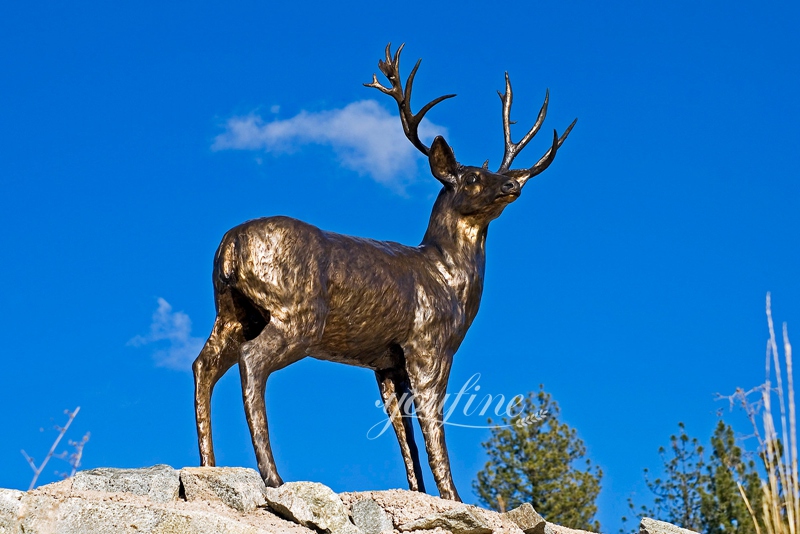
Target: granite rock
[[529, 520], [159, 483], [653, 526], [312, 505], [370, 517], [461, 520], [240, 488], [10, 509]]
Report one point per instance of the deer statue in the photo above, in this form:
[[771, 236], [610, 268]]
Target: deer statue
[[285, 290]]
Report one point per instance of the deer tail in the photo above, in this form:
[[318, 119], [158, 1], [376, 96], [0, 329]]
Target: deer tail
[[226, 258]]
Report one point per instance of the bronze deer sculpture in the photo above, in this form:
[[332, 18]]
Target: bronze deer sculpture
[[285, 290]]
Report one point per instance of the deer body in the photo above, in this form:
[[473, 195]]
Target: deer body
[[354, 299], [285, 290]]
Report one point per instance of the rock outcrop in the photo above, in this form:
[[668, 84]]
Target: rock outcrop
[[157, 500], [226, 500]]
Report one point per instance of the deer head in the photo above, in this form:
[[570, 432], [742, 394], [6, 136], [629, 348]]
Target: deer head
[[474, 193]]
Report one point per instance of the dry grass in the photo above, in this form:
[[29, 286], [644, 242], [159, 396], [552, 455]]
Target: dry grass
[[780, 509]]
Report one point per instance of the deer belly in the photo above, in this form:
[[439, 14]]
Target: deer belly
[[362, 330]]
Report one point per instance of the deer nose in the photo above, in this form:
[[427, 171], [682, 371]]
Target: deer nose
[[510, 187]]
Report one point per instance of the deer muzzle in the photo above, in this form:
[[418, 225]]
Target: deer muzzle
[[511, 187]]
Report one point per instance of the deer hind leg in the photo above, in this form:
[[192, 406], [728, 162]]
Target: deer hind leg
[[397, 399], [218, 355], [270, 351]]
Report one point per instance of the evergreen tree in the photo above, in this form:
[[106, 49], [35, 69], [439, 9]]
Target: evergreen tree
[[723, 509], [705, 496], [534, 458], [678, 496]]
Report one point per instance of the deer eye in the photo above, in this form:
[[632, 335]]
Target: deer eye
[[472, 179]]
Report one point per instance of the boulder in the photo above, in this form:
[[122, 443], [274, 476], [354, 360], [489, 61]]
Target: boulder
[[370, 517], [461, 520], [408, 508], [159, 483], [10, 508], [312, 505], [559, 529], [240, 488], [653, 526], [529, 520]]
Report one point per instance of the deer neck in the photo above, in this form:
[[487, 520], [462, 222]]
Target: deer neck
[[457, 247]]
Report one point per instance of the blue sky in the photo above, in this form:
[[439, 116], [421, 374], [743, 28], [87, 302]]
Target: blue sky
[[629, 279]]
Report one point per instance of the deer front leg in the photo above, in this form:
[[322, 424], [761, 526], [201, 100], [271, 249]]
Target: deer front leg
[[266, 353], [428, 375], [397, 399], [218, 355]]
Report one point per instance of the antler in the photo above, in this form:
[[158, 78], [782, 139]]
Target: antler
[[512, 149], [391, 69]]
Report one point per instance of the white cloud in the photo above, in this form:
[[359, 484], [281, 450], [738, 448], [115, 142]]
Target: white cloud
[[170, 332], [364, 136]]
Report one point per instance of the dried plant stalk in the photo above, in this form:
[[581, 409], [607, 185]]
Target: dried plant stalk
[[52, 452], [780, 507]]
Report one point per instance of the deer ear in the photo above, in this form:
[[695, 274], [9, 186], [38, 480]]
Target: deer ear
[[443, 162]]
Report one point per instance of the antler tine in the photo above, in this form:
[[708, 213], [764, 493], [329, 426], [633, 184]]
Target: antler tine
[[396, 55], [550, 155], [410, 82], [413, 119], [506, 99], [391, 69], [512, 149], [377, 85]]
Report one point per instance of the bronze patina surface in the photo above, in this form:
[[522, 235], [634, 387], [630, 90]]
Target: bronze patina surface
[[286, 290]]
